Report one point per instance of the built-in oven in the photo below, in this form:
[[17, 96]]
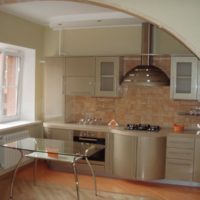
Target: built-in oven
[[94, 138]]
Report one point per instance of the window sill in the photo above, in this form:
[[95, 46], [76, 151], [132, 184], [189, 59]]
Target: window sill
[[16, 124]]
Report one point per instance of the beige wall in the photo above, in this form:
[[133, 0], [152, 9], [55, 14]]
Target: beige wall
[[108, 41], [26, 34], [138, 105], [180, 18], [97, 41], [164, 43]]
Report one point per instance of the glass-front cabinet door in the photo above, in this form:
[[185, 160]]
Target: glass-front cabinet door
[[107, 76], [184, 77]]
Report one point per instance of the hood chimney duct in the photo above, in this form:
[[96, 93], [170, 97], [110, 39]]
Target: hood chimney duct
[[146, 74]]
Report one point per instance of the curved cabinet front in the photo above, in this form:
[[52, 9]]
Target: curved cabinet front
[[151, 158], [124, 156]]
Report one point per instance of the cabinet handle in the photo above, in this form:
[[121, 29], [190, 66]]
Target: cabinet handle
[[63, 84], [88, 139], [175, 153], [180, 164]]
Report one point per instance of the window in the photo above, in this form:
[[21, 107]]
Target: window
[[10, 74]]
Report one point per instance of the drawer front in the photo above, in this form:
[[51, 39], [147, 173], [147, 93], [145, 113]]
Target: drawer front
[[187, 154], [179, 169], [180, 142], [196, 176]]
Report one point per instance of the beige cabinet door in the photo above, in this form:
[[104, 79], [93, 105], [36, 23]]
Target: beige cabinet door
[[179, 158], [184, 78], [53, 87], [59, 134], [196, 175], [107, 76], [83, 66], [124, 156], [80, 86], [151, 158], [80, 76]]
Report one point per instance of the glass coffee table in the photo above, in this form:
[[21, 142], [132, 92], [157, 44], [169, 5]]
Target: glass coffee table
[[55, 150]]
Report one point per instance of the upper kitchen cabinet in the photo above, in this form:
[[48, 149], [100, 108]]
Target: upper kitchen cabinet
[[80, 76], [53, 88], [92, 76], [184, 78], [108, 76]]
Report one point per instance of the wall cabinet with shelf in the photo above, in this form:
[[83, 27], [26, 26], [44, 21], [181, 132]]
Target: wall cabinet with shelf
[[92, 76], [108, 76], [184, 78]]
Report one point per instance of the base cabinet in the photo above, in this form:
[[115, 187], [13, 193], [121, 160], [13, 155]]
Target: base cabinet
[[179, 158], [196, 175], [124, 156], [148, 157], [151, 158], [59, 134]]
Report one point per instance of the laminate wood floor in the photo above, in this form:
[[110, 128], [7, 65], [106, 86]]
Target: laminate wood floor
[[162, 191]]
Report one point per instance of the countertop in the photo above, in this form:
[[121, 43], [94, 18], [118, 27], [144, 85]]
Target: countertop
[[118, 130]]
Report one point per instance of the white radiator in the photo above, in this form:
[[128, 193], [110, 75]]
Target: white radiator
[[10, 157]]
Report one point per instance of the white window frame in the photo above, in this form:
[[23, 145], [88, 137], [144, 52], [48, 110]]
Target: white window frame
[[17, 53]]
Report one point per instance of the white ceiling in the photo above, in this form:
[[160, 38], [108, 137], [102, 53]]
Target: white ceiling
[[69, 15]]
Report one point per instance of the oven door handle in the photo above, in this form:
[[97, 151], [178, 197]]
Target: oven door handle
[[88, 139]]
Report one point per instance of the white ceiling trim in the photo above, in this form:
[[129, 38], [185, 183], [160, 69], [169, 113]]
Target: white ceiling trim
[[60, 15], [94, 20], [60, 28], [89, 16]]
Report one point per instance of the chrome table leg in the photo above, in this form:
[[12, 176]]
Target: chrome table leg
[[93, 174], [14, 174], [76, 178]]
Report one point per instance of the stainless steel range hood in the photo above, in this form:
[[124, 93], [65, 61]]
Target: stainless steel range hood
[[146, 74]]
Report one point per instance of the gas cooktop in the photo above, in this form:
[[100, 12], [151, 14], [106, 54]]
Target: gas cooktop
[[143, 127]]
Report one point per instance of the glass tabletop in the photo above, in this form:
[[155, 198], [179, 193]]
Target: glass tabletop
[[55, 146]]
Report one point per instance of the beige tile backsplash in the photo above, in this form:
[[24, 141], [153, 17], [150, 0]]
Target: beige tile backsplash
[[137, 104]]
